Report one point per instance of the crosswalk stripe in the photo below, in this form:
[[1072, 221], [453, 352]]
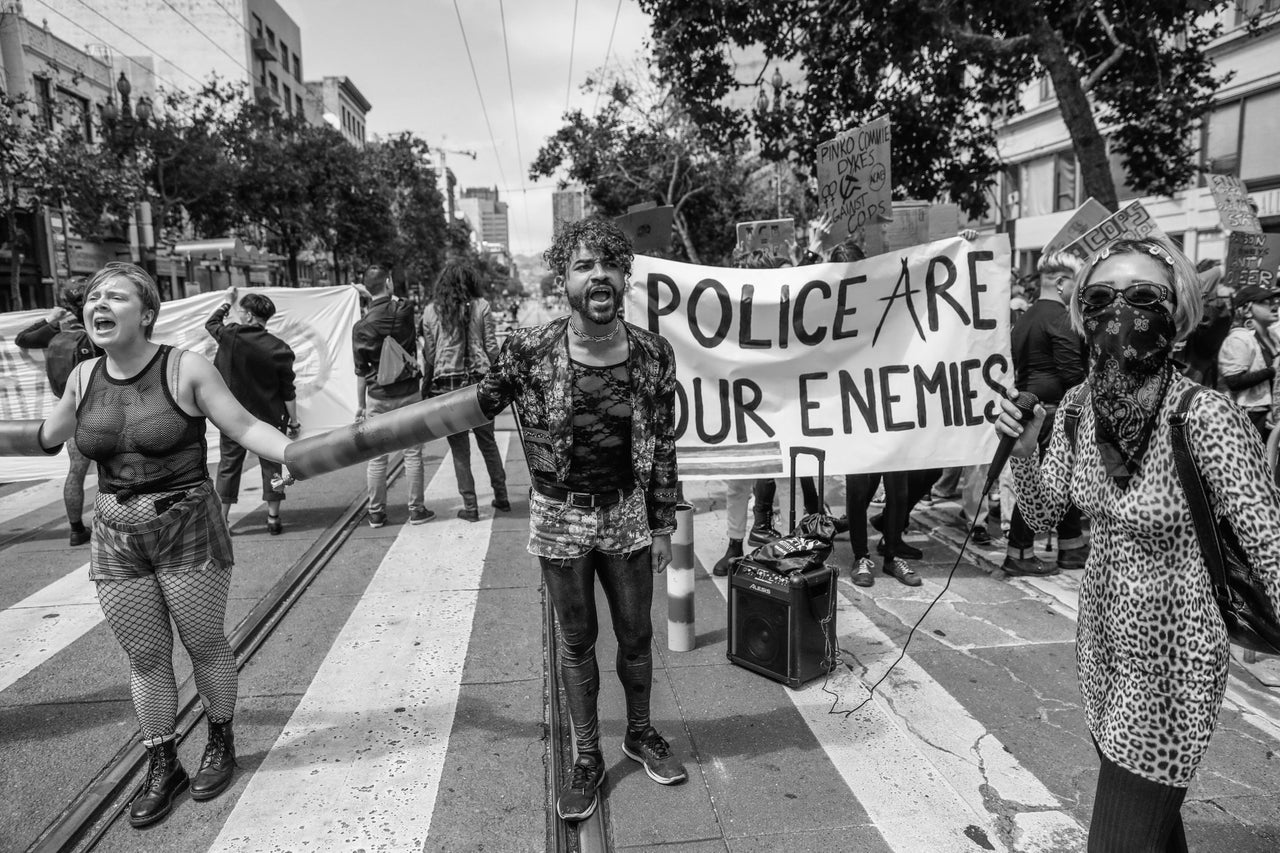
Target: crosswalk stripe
[[34, 497], [358, 765], [50, 619], [1259, 708], [927, 772]]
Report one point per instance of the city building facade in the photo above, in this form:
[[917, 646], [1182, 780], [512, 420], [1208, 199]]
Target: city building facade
[[1041, 184], [342, 106], [568, 205], [487, 215]]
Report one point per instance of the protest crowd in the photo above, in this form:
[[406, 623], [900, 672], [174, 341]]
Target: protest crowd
[[1134, 395]]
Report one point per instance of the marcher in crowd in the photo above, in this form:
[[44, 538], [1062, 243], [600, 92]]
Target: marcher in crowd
[[1199, 352], [1048, 359], [258, 368], [387, 330], [66, 342], [1152, 651], [1247, 360], [161, 550], [459, 345], [595, 399]]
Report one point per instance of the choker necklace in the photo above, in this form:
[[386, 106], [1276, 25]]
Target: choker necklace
[[607, 336]]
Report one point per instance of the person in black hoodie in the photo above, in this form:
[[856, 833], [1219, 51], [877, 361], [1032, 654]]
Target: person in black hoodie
[[258, 368], [63, 337]]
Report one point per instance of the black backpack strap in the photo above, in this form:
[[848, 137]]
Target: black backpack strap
[[1193, 486], [1070, 411]]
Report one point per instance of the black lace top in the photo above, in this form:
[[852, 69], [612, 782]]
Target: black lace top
[[134, 429], [601, 456]]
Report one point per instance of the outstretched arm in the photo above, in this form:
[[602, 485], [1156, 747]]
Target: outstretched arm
[[200, 383]]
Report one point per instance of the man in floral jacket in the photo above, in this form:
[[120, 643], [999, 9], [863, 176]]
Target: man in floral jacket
[[594, 397]]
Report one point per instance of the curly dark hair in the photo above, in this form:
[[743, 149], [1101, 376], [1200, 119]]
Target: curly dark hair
[[456, 286], [596, 233]]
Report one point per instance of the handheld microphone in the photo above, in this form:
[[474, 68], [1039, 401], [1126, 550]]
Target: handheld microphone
[[1026, 403]]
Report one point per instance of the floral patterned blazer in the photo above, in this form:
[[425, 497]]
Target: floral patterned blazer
[[533, 373]]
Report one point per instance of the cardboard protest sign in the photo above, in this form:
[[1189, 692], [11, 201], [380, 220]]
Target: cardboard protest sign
[[855, 184], [648, 228], [1232, 199], [1132, 222], [1087, 216], [315, 322], [1252, 259], [892, 363], [917, 222], [773, 234]]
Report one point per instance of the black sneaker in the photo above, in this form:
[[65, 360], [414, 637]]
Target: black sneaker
[[902, 549], [421, 515], [377, 519], [652, 750], [861, 572], [577, 800], [79, 535], [981, 536], [1026, 566], [898, 568]]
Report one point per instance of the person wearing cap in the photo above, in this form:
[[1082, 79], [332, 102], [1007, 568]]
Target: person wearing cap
[[1246, 362]]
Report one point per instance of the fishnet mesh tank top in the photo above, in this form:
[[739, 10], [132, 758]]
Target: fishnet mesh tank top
[[133, 428]]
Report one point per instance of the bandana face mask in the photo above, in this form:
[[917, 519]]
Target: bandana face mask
[[1129, 349]]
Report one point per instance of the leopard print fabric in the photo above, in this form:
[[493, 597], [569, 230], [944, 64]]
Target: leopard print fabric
[[1151, 649]]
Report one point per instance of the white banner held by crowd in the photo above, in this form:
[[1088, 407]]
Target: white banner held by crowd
[[893, 363], [315, 322]]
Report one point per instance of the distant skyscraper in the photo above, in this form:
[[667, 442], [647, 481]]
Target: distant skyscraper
[[568, 205], [487, 214]]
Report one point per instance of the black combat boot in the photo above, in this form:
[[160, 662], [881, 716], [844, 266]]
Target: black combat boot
[[732, 555], [218, 763], [763, 531], [165, 780]]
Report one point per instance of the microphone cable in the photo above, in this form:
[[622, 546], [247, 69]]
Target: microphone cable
[[829, 641]]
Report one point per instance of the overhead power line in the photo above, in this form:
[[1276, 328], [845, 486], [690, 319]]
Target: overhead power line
[[148, 47], [209, 38], [479, 94], [573, 36], [515, 121], [98, 38], [608, 54]]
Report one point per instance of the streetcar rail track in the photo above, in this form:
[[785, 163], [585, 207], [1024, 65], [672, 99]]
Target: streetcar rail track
[[588, 836], [88, 817]]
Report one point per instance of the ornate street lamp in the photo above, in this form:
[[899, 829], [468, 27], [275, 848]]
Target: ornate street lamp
[[774, 112]]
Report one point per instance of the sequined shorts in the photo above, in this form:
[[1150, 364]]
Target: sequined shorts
[[559, 531]]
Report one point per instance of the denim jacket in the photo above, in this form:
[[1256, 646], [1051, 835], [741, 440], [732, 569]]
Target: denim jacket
[[443, 356], [533, 373]]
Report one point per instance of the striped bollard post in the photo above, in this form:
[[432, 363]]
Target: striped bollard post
[[680, 633]]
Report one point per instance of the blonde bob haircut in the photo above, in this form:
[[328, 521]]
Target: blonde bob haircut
[[1188, 305], [141, 281]]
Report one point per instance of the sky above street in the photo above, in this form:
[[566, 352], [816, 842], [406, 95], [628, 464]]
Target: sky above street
[[409, 60]]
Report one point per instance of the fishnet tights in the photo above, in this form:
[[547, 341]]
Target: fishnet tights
[[138, 611]]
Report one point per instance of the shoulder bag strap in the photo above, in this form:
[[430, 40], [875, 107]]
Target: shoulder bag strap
[[1193, 486], [1070, 412]]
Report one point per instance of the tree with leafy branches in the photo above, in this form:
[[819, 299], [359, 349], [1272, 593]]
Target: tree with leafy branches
[[416, 234], [643, 145], [946, 72]]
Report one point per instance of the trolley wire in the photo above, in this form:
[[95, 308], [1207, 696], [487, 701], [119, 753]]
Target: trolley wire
[[608, 54], [208, 37], [515, 120], [573, 37], [479, 93], [118, 51], [148, 47]]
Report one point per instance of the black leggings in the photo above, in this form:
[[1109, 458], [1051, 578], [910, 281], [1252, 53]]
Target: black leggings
[[1135, 815], [858, 491], [627, 581]]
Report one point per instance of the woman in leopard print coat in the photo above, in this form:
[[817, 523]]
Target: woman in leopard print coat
[[1151, 651]]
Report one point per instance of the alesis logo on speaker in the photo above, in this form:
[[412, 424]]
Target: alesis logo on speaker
[[764, 590]]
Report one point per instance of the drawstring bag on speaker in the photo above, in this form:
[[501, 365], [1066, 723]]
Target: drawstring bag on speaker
[[806, 548]]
